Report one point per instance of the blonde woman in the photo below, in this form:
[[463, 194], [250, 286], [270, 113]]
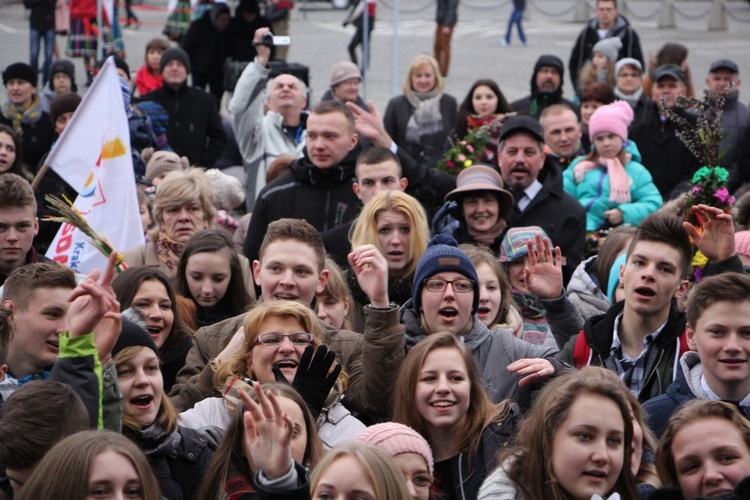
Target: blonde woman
[[421, 119]]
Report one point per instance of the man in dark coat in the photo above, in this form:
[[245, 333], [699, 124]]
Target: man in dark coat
[[195, 128], [41, 27], [538, 192], [546, 88], [202, 42], [607, 23], [318, 187], [664, 155]]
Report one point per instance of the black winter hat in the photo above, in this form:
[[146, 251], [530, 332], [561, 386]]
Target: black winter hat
[[133, 333], [550, 60], [20, 71], [64, 66], [171, 54], [63, 103]]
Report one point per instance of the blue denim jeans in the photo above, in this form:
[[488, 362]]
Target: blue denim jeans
[[35, 42], [515, 18]]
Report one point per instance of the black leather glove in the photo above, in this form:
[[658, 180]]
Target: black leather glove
[[312, 380]]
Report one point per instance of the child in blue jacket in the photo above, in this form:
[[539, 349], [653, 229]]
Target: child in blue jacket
[[610, 182]]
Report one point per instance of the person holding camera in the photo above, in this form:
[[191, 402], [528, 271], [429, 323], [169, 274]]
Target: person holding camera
[[264, 135]]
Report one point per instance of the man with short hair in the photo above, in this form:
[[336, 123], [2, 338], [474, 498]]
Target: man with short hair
[[377, 170], [23, 112], [546, 88], [664, 155], [607, 23], [562, 136], [18, 225], [641, 337], [195, 128], [267, 125], [538, 192], [735, 116], [318, 186]]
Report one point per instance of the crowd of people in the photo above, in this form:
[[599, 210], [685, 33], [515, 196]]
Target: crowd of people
[[316, 310]]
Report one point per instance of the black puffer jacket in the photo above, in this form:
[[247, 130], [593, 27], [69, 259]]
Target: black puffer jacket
[[534, 104], [320, 196]]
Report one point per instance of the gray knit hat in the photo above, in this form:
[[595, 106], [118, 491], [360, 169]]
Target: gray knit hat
[[343, 71], [610, 47], [443, 255]]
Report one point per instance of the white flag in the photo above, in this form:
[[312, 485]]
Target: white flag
[[93, 156]]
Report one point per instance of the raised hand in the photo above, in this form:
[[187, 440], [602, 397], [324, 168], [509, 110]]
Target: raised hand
[[544, 276], [268, 434], [371, 269], [92, 301], [369, 124], [313, 380], [264, 52], [532, 369], [717, 239]]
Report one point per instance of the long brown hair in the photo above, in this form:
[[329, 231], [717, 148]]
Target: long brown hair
[[65, 470], [232, 449], [481, 256], [481, 411], [529, 463]]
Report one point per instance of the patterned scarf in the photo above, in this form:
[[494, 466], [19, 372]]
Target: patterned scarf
[[18, 116], [169, 251], [426, 119], [619, 182]]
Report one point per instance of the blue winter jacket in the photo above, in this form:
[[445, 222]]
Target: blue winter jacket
[[593, 191]]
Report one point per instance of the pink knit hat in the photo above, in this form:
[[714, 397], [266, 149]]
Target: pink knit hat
[[396, 439], [742, 243], [613, 118]]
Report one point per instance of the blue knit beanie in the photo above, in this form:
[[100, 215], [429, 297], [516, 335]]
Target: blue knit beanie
[[443, 255]]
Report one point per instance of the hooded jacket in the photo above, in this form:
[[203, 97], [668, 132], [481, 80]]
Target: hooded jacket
[[538, 101], [591, 348], [584, 290], [593, 191], [320, 196], [492, 350], [583, 49], [202, 42], [686, 386]]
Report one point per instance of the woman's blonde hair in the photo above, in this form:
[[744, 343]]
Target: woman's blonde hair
[[481, 256], [387, 479], [365, 229], [418, 62], [180, 187], [64, 472], [337, 289], [691, 412], [481, 411], [240, 363], [529, 463], [167, 418]]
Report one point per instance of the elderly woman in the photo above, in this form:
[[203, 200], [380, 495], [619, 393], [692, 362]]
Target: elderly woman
[[396, 224], [182, 207], [629, 87], [421, 119], [479, 204]]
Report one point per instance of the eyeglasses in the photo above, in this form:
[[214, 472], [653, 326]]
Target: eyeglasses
[[421, 481], [459, 286], [275, 338], [628, 75]]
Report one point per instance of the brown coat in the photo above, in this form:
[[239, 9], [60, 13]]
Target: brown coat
[[368, 374]]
